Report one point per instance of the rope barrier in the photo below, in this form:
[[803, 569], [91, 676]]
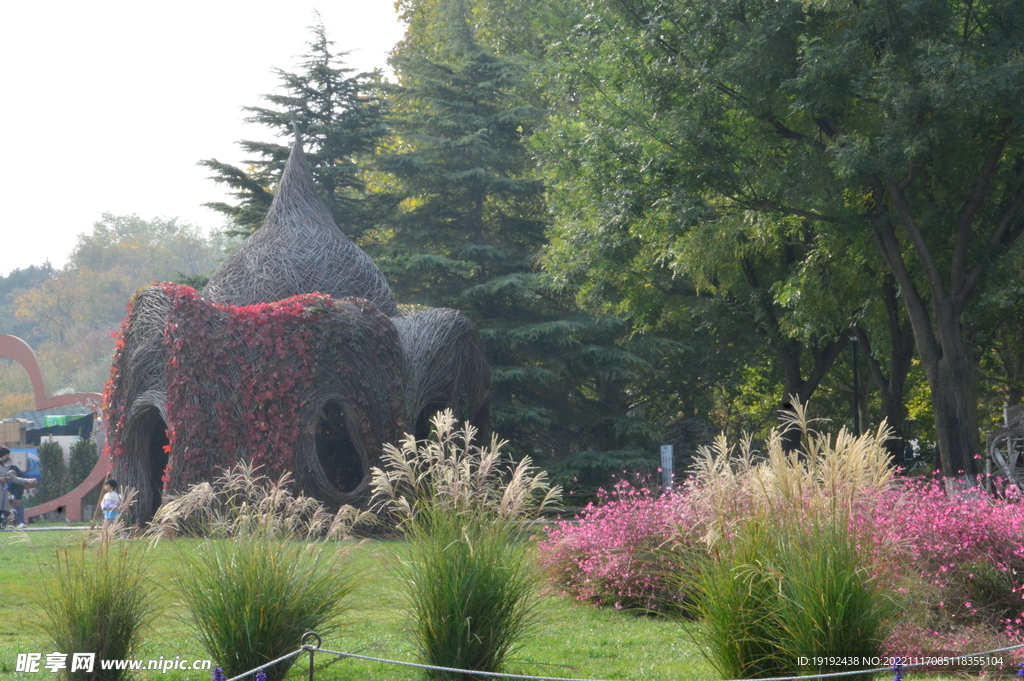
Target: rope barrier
[[269, 664], [311, 649], [450, 669], [803, 677]]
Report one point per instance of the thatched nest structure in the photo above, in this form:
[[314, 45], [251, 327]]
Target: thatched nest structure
[[295, 357], [298, 250], [446, 368]]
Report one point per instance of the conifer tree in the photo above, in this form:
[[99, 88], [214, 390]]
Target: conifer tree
[[342, 122], [53, 481], [468, 236], [472, 210], [82, 457]]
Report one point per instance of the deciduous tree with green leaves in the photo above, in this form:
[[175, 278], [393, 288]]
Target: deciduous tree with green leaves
[[895, 120]]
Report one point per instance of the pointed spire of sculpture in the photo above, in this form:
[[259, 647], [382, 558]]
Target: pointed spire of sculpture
[[298, 250]]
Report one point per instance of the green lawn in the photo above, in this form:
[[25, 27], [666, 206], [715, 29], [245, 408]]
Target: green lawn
[[574, 641]]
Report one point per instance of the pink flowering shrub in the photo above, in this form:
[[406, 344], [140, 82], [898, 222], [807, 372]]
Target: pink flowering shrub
[[618, 551], [958, 562], [954, 562]]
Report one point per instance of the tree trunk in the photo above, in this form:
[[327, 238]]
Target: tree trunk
[[1009, 350], [895, 415], [951, 372], [789, 352], [891, 383], [800, 389], [953, 381]]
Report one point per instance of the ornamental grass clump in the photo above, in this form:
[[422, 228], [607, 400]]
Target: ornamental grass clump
[[784, 575], [244, 502], [97, 599], [264, 573], [829, 474], [951, 562], [468, 575]]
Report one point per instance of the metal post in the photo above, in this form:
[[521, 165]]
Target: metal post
[[988, 464], [666, 466], [856, 389], [311, 648]]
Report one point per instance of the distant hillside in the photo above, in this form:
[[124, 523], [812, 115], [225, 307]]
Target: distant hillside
[[68, 315]]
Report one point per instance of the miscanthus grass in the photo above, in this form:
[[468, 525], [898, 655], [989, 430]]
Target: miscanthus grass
[[768, 598], [97, 599], [267, 572], [785, 575], [468, 577]]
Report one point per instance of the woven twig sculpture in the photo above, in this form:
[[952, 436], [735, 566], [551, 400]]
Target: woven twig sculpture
[[446, 368], [294, 358], [298, 250]]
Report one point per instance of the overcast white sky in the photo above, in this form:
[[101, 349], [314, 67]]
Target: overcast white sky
[[107, 106]]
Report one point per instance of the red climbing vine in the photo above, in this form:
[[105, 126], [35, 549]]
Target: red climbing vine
[[240, 381]]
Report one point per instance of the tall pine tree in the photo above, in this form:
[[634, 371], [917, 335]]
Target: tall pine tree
[[341, 120], [468, 235], [457, 218]]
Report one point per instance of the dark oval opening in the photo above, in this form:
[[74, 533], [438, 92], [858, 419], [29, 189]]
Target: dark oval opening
[[157, 458], [339, 459]]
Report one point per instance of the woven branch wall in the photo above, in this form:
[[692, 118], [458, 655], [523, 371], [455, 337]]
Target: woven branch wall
[[257, 369], [446, 367]]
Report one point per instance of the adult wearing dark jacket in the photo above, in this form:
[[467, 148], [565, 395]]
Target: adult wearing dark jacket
[[17, 491], [12, 484]]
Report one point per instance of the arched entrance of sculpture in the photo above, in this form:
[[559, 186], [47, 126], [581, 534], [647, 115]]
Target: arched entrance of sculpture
[[339, 459], [154, 434]]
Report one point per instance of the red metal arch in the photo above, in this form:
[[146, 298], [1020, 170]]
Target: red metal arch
[[14, 348]]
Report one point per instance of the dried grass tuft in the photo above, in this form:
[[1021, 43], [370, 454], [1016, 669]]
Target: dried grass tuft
[[449, 472], [242, 502], [826, 474]]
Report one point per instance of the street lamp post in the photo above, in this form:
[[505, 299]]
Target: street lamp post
[[856, 389]]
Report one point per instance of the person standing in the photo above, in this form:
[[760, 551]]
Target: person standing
[[9, 479], [17, 491], [110, 504]]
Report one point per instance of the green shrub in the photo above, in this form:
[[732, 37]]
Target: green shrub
[[469, 578], [97, 600], [264, 575], [82, 459], [53, 479]]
